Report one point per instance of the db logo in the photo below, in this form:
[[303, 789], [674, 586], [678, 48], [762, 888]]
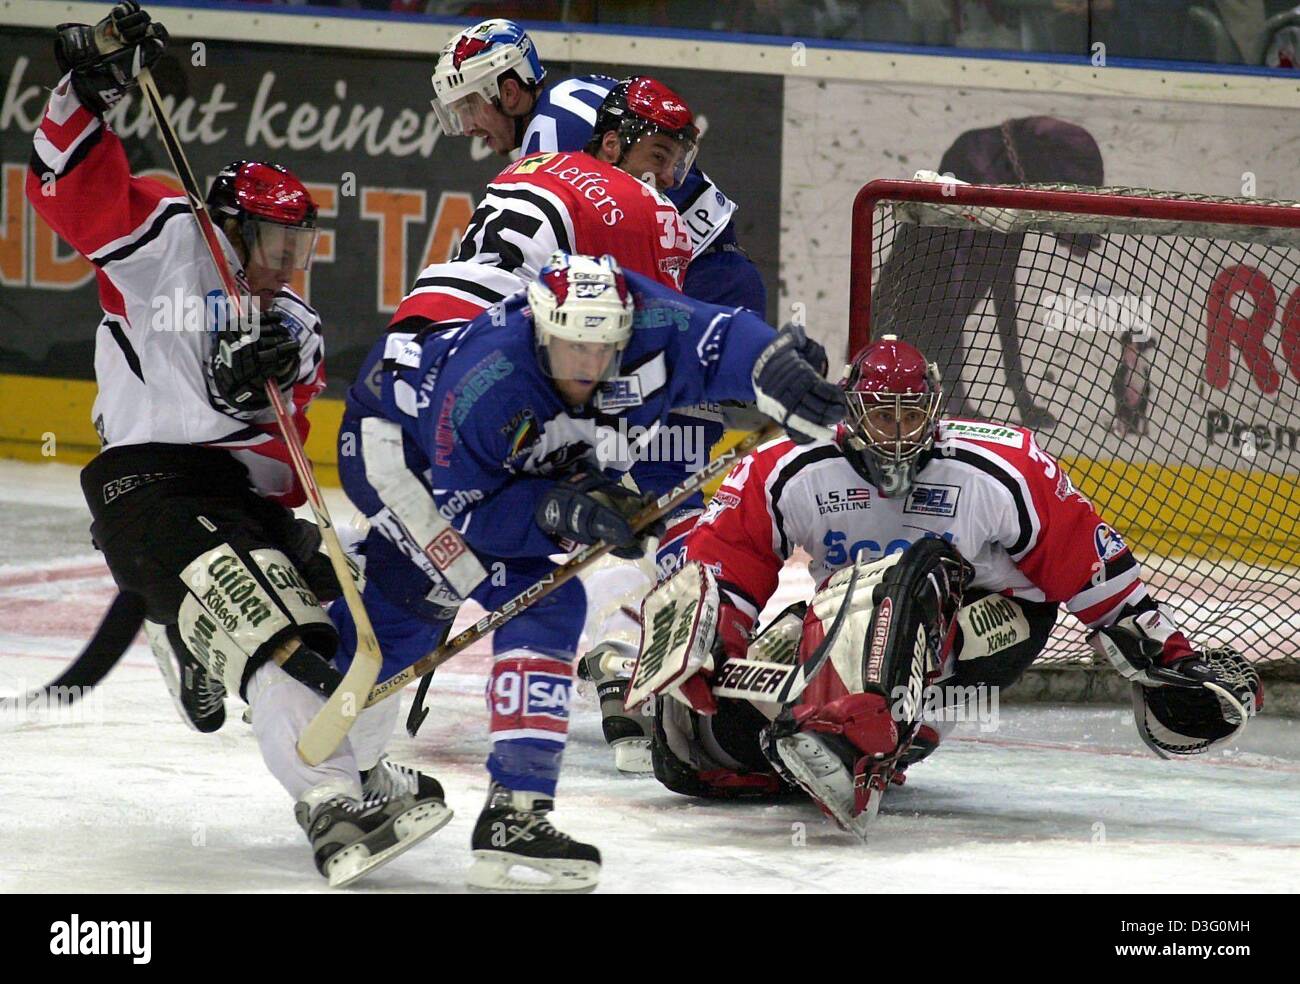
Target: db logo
[[547, 694], [445, 548]]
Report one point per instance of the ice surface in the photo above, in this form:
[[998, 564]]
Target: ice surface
[[126, 798]]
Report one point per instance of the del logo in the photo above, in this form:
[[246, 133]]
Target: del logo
[[1108, 542], [548, 694], [933, 500], [842, 500], [620, 392]]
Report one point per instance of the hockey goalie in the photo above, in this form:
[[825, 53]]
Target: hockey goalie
[[942, 551]]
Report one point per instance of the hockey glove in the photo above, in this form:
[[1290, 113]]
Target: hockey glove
[[243, 361], [1184, 700], [106, 60], [590, 506], [302, 545], [790, 389]]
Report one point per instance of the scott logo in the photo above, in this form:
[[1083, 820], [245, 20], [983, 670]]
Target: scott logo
[[837, 555]]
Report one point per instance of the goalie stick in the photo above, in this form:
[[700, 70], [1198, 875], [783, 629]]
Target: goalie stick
[[326, 731], [120, 625], [665, 504]]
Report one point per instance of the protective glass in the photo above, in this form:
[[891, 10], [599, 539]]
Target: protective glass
[[279, 247]]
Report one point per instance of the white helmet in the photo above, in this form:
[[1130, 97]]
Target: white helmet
[[581, 299], [473, 62]]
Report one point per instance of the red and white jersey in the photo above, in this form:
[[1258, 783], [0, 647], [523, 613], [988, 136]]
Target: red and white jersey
[[541, 203], [1003, 502], [156, 286]]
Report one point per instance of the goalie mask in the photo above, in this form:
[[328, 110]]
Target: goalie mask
[[893, 398], [275, 212], [582, 316]]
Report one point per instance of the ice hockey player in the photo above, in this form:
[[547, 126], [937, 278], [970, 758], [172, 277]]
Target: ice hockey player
[[190, 495], [478, 453], [489, 82], [966, 537]]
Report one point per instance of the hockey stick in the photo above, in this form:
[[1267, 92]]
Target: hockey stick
[[330, 726], [415, 717], [661, 507], [120, 625]]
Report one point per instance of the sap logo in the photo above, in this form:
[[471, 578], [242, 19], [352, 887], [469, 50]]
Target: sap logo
[[837, 555], [619, 393], [1108, 542], [547, 695], [933, 500], [589, 289], [842, 500]]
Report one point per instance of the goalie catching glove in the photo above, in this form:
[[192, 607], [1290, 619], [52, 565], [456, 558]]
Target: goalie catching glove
[[790, 388], [1185, 701], [106, 60], [589, 506]]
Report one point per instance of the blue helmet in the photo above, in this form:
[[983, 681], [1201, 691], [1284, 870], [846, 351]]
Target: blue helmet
[[473, 62]]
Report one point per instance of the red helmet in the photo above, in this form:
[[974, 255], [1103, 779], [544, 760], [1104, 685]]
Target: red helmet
[[893, 398], [275, 212], [639, 106]]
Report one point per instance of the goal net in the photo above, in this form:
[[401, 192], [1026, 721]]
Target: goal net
[[1152, 342]]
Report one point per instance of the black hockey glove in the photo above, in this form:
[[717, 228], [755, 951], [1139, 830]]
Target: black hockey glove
[[243, 360], [106, 60], [790, 388], [590, 506], [302, 544]]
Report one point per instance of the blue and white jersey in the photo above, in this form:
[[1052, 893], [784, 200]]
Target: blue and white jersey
[[488, 434], [564, 118]]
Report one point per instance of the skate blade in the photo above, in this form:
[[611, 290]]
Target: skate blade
[[410, 827], [835, 799], [493, 871], [633, 756]]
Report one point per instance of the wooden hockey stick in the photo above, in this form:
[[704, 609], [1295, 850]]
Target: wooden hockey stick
[[661, 507], [326, 731]]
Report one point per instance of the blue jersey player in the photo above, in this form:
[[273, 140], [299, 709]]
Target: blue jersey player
[[478, 453]]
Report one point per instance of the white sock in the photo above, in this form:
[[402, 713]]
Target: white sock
[[282, 708]]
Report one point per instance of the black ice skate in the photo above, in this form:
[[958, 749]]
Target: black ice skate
[[628, 733], [200, 697], [401, 807], [517, 850]]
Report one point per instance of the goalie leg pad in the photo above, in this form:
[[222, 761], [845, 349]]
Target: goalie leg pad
[[679, 622], [241, 605]]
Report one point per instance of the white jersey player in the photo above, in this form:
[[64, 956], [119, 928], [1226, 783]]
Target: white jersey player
[[965, 537], [190, 493]]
